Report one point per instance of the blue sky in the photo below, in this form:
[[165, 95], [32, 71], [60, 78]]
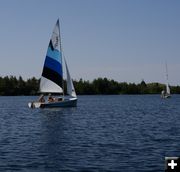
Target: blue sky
[[124, 40]]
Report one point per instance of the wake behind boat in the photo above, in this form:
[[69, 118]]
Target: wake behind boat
[[52, 77]]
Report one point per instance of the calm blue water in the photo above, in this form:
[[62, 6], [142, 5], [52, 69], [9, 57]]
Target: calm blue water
[[104, 133]]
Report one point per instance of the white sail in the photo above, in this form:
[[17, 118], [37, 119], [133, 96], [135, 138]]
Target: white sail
[[167, 89], [70, 86], [52, 75], [47, 86]]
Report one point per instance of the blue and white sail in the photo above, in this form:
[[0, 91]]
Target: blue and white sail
[[52, 74]]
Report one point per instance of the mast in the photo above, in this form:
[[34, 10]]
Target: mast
[[61, 57], [167, 82], [166, 73]]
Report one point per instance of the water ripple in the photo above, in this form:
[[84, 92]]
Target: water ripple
[[104, 133]]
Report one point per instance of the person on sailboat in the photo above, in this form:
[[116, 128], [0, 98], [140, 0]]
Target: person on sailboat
[[41, 99], [50, 99]]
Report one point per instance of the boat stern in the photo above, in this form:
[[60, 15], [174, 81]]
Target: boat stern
[[34, 104]]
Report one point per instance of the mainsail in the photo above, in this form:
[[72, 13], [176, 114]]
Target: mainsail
[[52, 74], [167, 89]]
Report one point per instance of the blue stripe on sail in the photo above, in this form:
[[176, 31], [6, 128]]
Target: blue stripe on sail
[[55, 54], [52, 75], [53, 65]]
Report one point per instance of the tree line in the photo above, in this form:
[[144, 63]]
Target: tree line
[[12, 86]]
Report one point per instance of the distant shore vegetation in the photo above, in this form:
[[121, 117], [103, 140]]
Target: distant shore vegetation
[[13, 86]]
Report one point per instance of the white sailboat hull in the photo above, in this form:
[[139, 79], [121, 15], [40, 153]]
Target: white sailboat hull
[[71, 102], [166, 96]]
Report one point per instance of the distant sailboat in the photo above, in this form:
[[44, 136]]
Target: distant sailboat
[[166, 93], [52, 77]]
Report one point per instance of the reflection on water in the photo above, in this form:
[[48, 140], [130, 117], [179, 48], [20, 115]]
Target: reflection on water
[[104, 133]]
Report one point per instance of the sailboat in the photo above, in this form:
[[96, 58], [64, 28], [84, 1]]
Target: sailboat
[[166, 93], [51, 81]]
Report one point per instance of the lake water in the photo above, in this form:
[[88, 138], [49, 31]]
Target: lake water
[[104, 133]]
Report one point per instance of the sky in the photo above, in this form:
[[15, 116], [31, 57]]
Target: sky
[[124, 40]]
